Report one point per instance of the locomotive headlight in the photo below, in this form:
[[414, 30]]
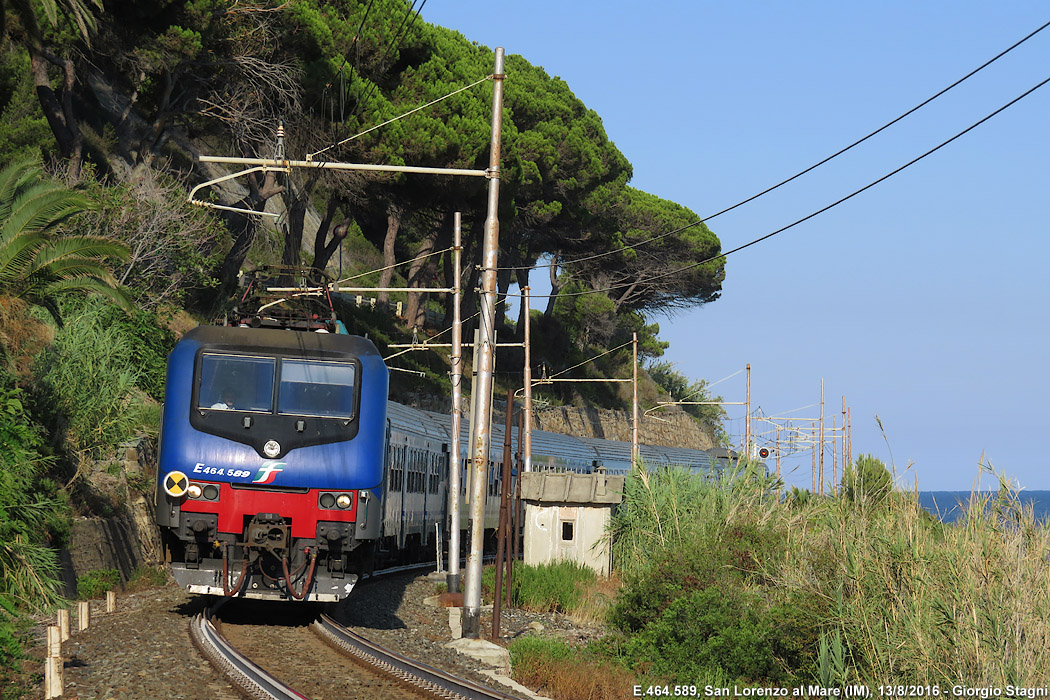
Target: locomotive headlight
[[194, 491], [272, 448], [211, 492], [327, 500], [344, 501]]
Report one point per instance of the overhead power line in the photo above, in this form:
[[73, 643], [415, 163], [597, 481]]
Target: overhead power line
[[399, 36], [816, 213], [816, 165]]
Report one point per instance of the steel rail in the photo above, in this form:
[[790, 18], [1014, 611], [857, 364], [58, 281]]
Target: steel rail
[[253, 681], [236, 667], [413, 672]]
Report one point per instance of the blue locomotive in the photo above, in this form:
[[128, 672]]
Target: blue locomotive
[[284, 471], [271, 460]]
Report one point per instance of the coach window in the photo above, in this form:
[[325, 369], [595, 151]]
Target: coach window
[[311, 388], [410, 471], [434, 481], [396, 469], [236, 383], [419, 467]]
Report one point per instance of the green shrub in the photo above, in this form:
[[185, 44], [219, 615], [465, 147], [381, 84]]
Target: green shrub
[[30, 510], [13, 626], [94, 583], [675, 573], [703, 597], [529, 650], [554, 587], [867, 480], [148, 345], [30, 514], [708, 631], [146, 577]]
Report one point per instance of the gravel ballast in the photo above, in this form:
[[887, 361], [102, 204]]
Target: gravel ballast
[[143, 650]]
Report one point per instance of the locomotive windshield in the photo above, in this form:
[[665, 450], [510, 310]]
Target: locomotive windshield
[[310, 388], [304, 388], [236, 383]]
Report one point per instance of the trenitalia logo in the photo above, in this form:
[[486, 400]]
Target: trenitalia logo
[[268, 472]]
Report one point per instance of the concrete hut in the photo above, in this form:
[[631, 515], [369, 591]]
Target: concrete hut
[[566, 516]]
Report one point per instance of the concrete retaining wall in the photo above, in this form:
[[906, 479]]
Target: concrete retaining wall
[[123, 542], [670, 429]]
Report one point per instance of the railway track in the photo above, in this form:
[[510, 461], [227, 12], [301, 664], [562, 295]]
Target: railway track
[[300, 671], [430, 680]]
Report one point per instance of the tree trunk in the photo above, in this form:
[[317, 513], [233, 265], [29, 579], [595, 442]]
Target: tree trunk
[[53, 112], [76, 152], [292, 254], [503, 277], [393, 223], [244, 227], [472, 253], [324, 247], [555, 287], [418, 275]]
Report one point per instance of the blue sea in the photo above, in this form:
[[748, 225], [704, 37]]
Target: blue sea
[[946, 504]]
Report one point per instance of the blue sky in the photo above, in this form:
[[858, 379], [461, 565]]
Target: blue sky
[[923, 300]]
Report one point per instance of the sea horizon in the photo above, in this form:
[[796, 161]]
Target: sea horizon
[[946, 505]]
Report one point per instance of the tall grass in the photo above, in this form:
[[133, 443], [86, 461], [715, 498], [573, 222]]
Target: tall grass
[[930, 603], [864, 587], [562, 586], [30, 517], [89, 377]]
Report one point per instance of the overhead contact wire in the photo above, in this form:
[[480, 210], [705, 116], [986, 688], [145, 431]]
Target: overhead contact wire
[[402, 116], [391, 267]]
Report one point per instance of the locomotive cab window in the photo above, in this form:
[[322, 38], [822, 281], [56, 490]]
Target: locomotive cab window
[[236, 383], [311, 388]]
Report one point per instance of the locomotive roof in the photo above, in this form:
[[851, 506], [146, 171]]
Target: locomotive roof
[[237, 337]]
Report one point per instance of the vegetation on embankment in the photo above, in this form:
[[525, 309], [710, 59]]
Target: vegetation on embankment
[[725, 583], [118, 105], [89, 385]]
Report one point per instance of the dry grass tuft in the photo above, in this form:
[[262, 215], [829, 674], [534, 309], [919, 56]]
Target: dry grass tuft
[[21, 334], [557, 671], [450, 600], [596, 597], [180, 322]]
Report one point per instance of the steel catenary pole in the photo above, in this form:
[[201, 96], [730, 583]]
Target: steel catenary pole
[[455, 459], [482, 417]]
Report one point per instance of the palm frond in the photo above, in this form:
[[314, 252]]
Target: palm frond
[[85, 283], [86, 248], [38, 265], [42, 207], [17, 255], [78, 11], [13, 178]]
